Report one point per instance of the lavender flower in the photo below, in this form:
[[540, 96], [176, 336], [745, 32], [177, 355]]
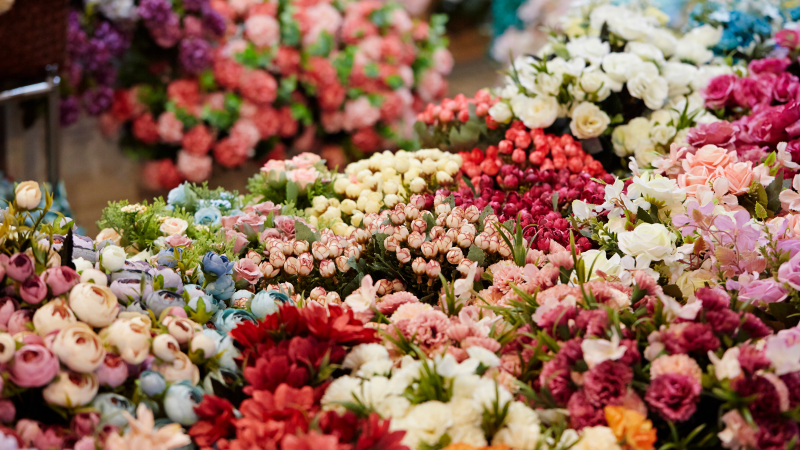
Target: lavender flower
[[77, 40], [195, 55], [213, 21], [98, 100], [116, 42], [194, 5], [155, 13]]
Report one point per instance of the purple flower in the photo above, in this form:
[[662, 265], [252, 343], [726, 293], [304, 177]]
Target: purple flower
[[775, 434], [195, 55], [673, 396], [98, 100], [607, 383], [76, 37], [789, 272], [114, 41], [105, 75], [97, 55], [169, 33], [213, 21], [155, 13], [761, 292], [194, 5], [687, 222]]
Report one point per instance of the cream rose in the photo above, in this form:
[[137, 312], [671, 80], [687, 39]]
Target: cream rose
[[54, 315], [71, 389], [500, 112], [652, 89], [705, 35], [27, 195], [616, 65], [94, 304], [590, 48], [597, 261], [108, 234], [179, 369], [112, 258], [173, 225], [689, 50], [537, 112], [79, 348], [588, 121], [652, 240], [130, 334]]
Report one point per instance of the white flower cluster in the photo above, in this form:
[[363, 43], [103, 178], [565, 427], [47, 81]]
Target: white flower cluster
[[377, 385], [639, 55], [383, 181]]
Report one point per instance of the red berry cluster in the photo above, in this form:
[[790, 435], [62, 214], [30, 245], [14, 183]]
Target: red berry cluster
[[458, 108]]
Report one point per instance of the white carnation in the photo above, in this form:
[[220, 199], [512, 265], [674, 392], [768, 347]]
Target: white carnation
[[341, 390], [689, 50], [597, 438], [705, 35], [679, 77], [518, 436], [364, 353], [652, 89], [664, 40]]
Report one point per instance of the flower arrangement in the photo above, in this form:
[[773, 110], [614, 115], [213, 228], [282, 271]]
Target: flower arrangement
[[325, 78]]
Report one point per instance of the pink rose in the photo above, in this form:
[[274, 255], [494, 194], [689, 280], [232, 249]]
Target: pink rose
[[719, 90], [113, 372], [739, 176], [788, 38], [721, 134], [442, 61], [228, 221], [246, 131], [262, 30], [177, 240], [769, 65], [60, 279], [193, 167], [52, 437], [170, 128], [19, 320], [305, 160], [19, 267], [33, 290], [254, 220], [247, 270], [360, 113], [274, 165], [198, 140], [240, 240], [28, 430], [753, 91], [228, 73], [303, 177], [695, 177], [709, 156], [33, 366], [265, 208], [785, 88], [285, 224], [8, 306]]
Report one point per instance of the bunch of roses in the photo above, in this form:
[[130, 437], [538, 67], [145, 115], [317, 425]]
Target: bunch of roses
[[317, 77], [288, 362], [437, 400], [296, 179], [598, 82]]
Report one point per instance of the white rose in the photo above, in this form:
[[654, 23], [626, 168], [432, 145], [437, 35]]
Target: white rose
[[54, 315], [629, 28], [173, 225], [652, 89], [616, 65], [573, 67], [603, 14], [180, 328], [112, 258], [689, 50], [548, 83], [82, 264], [426, 422], [79, 348], [664, 40], [27, 195], [71, 389], [500, 112], [648, 52], [705, 35], [588, 121], [599, 84], [7, 347], [130, 334], [526, 72], [626, 138], [94, 276], [94, 304], [179, 370], [597, 261], [661, 134], [679, 77], [652, 240], [659, 188], [661, 117], [646, 152], [590, 48], [597, 438], [538, 112]]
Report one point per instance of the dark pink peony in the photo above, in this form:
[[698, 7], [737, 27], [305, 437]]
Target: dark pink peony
[[719, 92], [751, 91], [582, 413], [769, 65], [60, 279]]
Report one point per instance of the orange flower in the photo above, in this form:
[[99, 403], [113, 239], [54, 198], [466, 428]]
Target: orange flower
[[631, 428]]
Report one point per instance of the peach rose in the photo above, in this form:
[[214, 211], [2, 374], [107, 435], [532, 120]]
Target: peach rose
[[709, 156], [303, 177], [739, 176], [173, 225], [695, 177]]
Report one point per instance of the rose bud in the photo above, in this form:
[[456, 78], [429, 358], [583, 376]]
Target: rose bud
[[71, 389], [112, 258], [334, 248], [433, 269], [152, 383], [403, 255], [79, 348], [464, 240], [159, 301], [383, 287], [454, 256], [113, 372], [166, 347], [18, 321], [180, 369], [33, 366], [327, 268], [453, 221], [398, 285], [464, 266], [401, 234], [419, 226], [204, 343], [27, 195], [33, 290], [180, 328], [54, 315], [93, 304], [437, 231], [472, 213], [494, 244], [318, 293], [332, 298], [412, 212], [94, 276], [60, 279], [418, 266], [292, 266], [504, 250], [276, 257], [306, 264], [129, 290], [288, 249], [352, 251], [267, 270], [181, 401], [415, 240], [444, 208], [19, 267], [84, 424], [398, 216], [429, 249], [341, 264], [443, 244], [299, 247], [131, 335], [319, 250]]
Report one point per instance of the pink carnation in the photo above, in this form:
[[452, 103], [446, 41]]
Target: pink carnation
[[719, 92], [193, 167], [432, 86], [263, 30], [409, 310], [305, 160], [303, 177], [258, 86], [680, 364], [442, 61], [390, 303], [198, 140], [170, 128], [230, 152], [316, 19], [145, 129], [246, 131]]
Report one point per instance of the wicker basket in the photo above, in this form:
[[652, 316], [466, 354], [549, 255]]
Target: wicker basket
[[33, 35]]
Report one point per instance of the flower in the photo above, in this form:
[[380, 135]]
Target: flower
[[131, 336], [19, 267], [673, 396], [96, 305], [60, 279], [71, 389], [112, 258], [678, 363], [180, 401], [180, 369], [588, 121], [142, 434], [54, 315], [113, 372], [596, 351], [631, 427], [34, 366], [173, 225], [783, 351], [597, 438], [537, 112], [27, 195], [33, 290], [653, 241], [79, 348]]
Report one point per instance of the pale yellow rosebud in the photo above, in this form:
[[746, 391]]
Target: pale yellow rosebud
[[428, 166], [443, 177], [360, 176], [340, 229], [319, 204], [390, 187], [391, 200], [357, 217], [352, 190], [340, 185], [27, 195], [451, 168], [372, 207], [347, 206], [417, 185]]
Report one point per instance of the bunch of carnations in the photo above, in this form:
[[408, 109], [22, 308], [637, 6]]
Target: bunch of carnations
[[289, 361], [602, 81], [324, 78]]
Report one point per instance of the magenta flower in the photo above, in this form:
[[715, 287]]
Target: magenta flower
[[673, 396], [19, 267], [60, 279], [33, 290], [33, 366], [607, 383]]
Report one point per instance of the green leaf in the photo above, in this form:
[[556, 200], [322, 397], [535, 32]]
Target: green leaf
[[450, 200], [773, 192], [323, 46], [292, 192], [468, 182], [302, 113], [394, 82], [371, 70], [477, 254], [761, 213], [555, 201], [303, 233], [429, 221]]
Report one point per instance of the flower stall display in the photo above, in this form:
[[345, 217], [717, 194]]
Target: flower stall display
[[339, 80], [616, 79]]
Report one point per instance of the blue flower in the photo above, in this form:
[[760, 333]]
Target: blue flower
[[158, 301], [208, 216], [267, 302], [152, 383], [216, 265], [230, 318], [110, 406], [728, 41], [221, 204], [180, 401], [223, 288], [194, 294], [181, 196]]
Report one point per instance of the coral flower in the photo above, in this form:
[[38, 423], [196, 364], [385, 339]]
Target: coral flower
[[631, 427]]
